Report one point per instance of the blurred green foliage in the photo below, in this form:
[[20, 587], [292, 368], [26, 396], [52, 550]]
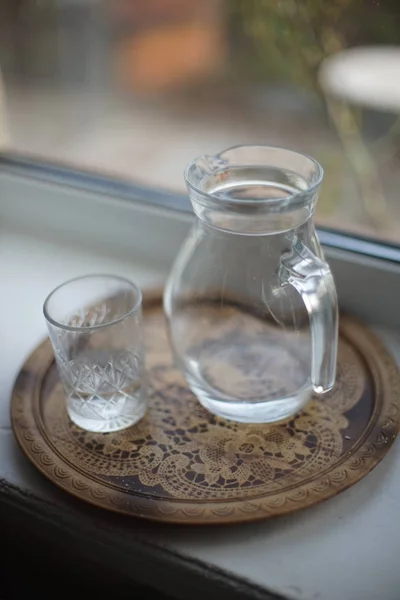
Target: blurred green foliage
[[288, 39]]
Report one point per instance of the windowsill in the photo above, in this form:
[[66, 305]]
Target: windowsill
[[306, 555]]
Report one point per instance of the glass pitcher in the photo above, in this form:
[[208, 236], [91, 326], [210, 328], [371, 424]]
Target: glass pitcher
[[251, 302]]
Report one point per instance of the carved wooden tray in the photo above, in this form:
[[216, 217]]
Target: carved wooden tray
[[181, 464]]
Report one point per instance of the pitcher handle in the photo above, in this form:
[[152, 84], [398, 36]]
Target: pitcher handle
[[312, 278]]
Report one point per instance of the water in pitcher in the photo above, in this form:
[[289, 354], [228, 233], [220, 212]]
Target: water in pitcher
[[250, 301], [250, 190], [259, 183], [234, 359]]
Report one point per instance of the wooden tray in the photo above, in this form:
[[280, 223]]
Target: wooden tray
[[181, 464]]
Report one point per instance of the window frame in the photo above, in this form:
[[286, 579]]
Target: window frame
[[151, 224], [51, 173]]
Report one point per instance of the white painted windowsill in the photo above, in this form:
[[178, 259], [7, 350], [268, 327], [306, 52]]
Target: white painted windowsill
[[348, 547]]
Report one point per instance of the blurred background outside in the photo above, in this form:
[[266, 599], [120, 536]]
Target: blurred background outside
[[136, 88]]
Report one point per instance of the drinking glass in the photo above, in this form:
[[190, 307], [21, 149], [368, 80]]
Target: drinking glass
[[251, 301], [95, 326]]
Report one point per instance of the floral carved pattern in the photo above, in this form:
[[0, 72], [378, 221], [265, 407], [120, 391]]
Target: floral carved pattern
[[182, 464]]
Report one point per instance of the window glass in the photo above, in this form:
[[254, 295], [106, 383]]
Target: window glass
[[135, 89]]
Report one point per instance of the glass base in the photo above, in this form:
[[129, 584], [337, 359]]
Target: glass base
[[263, 411], [106, 421]]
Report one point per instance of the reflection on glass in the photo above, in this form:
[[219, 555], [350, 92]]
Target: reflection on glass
[[135, 89]]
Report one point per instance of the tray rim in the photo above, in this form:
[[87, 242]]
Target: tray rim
[[366, 453]]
